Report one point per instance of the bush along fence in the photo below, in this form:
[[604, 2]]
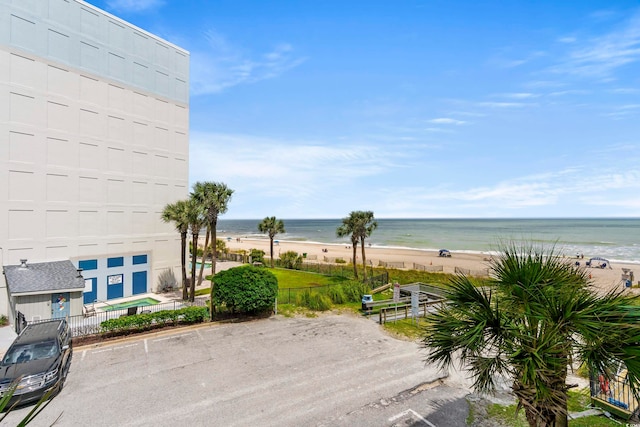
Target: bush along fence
[[145, 321], [85, 325]]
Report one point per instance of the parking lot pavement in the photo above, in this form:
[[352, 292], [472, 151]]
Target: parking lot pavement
[[331, 370]]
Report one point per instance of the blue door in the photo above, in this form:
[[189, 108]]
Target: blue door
[[139, 282], [90, 295], [115, 286], [60, 305]]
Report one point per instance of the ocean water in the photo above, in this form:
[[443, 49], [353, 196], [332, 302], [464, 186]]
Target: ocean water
[[617, 239]]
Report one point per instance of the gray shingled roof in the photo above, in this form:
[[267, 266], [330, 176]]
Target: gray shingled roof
[[45, 277]]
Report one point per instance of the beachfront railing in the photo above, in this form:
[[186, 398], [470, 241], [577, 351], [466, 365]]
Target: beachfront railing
[[468, 272], [429, 268]]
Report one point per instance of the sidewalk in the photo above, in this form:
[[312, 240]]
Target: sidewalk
[[7, 335]]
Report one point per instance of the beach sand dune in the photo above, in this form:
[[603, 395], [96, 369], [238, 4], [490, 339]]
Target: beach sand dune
[[604, 279]]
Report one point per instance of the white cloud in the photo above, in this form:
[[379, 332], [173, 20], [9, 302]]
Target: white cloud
[[626, 90], [133, 6], [513, 63], [519, 95], [281, 165], [570, 92], [222, 65], [504, 104], [447, 121], [605, 54], [567, 39]]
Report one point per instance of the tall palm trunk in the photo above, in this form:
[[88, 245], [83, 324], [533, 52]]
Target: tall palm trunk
[[354, 243], [214, 244], [204, 256], [364, 260], [214, 257], [271, 246], [183, 259], [194, 258]]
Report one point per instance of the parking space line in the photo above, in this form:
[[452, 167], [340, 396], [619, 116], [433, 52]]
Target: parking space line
[[172, 337], [115, 348], [84, 353], [415, 414], [146, 347]]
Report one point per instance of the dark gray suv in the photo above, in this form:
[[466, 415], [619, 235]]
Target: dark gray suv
[[40, 356]]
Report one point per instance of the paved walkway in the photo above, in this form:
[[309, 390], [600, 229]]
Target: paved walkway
[[7, 335]]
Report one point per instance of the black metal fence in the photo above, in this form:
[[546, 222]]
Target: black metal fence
[[289, 295], [377, 281], [340, 270], [89, 324]]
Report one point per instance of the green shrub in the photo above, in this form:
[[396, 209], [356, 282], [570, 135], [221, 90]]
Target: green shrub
[[340, 261], [257, 255], [313, 300], [336, 294], [141, 321], [354, 290], [291, 260], [246, 289], [166, 316], [147, 320], [193, 314]]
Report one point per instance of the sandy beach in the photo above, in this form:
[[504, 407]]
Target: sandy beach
[[475, 264]]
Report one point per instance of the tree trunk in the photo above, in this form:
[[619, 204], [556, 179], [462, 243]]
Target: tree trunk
[[214, 245], [183, 243], [204, 256], [364, 260], [271, 245], [194, 258], [355, 263]]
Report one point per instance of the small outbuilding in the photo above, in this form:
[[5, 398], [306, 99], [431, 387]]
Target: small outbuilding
[[46, 290]]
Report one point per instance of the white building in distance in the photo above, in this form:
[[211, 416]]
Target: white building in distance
[[94, 142]]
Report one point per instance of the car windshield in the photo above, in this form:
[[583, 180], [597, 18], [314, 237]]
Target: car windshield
[[26, 352]]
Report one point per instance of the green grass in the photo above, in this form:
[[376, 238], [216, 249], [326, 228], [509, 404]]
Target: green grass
[[408, 328], [578, 401], [303, 279], [293, 279]]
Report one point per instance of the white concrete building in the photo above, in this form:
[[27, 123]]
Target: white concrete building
[[94, 122]]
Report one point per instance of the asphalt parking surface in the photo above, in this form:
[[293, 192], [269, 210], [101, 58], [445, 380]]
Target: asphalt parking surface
[[333, 370]]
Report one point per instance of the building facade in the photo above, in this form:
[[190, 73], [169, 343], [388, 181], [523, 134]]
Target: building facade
[[94, 122]]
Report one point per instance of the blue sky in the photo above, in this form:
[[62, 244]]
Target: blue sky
[[410, 108]]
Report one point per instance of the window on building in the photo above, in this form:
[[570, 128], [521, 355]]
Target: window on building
[[139, 259], [88, 264], [115, 262]]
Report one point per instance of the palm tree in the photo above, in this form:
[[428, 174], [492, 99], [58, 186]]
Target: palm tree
[[536, 315], [214, 198], [348, 228], [177, 213], [271, 226], [197, 220], [364, 224]]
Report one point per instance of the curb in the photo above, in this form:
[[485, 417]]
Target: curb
[[145, 335]]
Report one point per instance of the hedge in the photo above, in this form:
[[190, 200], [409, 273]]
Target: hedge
[[186, 315]]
